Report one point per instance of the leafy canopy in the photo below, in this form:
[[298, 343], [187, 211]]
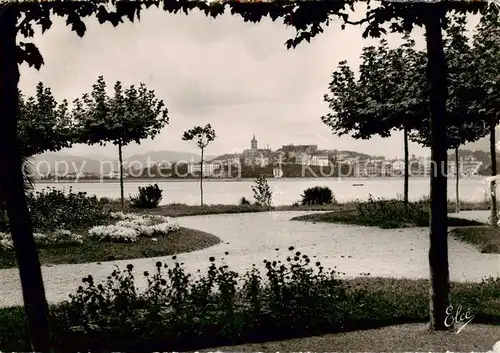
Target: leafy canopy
[[382, 98], [486, 64], [307, 17], [43, 124], [202, 135], [129, 115], [464, 80], [392, 92]]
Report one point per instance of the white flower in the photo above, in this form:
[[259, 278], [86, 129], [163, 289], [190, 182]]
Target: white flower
[[113, 233], [39, 237], [6, 242], [146, 225], [134, 224]]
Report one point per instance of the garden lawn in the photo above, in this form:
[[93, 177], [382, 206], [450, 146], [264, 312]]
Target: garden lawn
[[352, 217], [486, 238], [178, 241], [182, 210]]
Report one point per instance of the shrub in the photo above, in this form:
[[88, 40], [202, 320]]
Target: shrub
[[54, 209], [244, 201], [317, 195], [220, 305], [393, 213], [262, 192], [148, 197]]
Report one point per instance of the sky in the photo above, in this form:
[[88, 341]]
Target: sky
[[237, 76]]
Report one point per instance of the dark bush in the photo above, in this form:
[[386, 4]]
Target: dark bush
[[54, 209], [318, 195], [148, 197], [244, 201], [393, 213], [177, 312]]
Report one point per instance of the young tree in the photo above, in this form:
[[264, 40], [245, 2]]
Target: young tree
[[262, 192], [463, 125], [203, 136], [130, 115], [381, 99]]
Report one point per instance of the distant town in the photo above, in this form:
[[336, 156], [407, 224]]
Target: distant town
[[291, 161]]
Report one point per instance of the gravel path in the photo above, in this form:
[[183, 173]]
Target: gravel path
[[249, 238]]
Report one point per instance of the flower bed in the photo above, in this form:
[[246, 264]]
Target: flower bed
[[60, 237], [127, 229], [131, 226]]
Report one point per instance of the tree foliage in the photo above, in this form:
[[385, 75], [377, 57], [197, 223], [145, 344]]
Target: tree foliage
[[391, 91], [202, 135], [486, 63], [382, 98], [464, 124], [130, 115], [308, 18], [43, 124]]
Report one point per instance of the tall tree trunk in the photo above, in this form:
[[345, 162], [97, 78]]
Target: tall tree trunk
[[120, 158], [407, 162], [457, 170], [493, 185], [201, 177], [11, 181], [438, 250]]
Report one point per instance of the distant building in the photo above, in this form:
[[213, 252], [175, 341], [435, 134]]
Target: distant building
[[321, 160], [291, 150], [302, 158], [466, 167], [255, 156], [398, 167], [210, 169], [277, 172], [372, 168]]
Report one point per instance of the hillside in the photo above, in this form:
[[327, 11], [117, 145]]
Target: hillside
[[63, 163], [165, 157]]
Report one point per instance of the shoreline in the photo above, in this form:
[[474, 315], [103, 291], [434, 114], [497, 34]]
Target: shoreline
[[225, 180]]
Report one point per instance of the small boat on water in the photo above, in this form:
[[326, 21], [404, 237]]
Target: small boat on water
[[358, 184]]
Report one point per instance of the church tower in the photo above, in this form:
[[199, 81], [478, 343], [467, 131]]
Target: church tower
[[254, 143]]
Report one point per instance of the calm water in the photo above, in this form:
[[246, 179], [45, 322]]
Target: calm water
[[286, 191]]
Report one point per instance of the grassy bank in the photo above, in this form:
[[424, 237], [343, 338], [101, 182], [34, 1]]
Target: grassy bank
[[182, 210], [178, 241], [359, 304], [352, 217], [486, 239]]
